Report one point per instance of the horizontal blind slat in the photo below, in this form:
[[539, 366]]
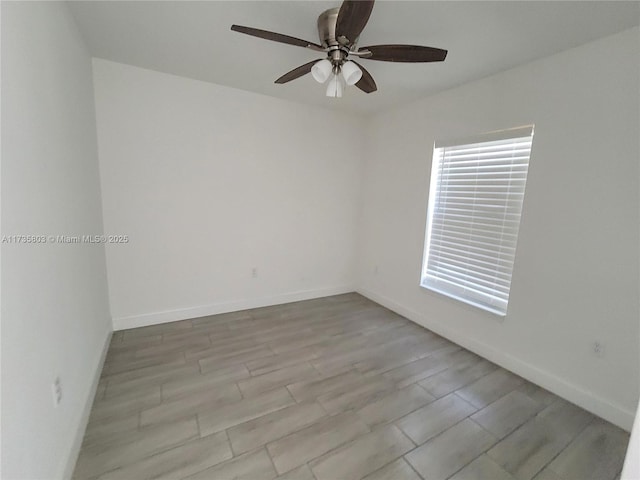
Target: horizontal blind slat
[[483, 276]]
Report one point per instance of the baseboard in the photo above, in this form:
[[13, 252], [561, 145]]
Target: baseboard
[[72, 458], [154, 318], [599, 406]]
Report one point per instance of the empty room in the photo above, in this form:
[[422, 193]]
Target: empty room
[[320, 240]]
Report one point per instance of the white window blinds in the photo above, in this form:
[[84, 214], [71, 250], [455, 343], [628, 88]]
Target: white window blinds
[[475, 202]]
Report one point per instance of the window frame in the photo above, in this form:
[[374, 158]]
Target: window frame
[[496, 305]]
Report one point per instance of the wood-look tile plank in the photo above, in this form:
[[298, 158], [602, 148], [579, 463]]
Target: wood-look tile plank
[[211, 363], [548, 474], [397, 470], [335, 330], [250, 466], [353, 342], [272, 313], [222, 348], [101, 389], [452, 379], [565, 416], [311, 389], [262, 430], [356, 396], [195, 383], [538, 394], [219, 338], [330, 365], [315, 440], [281, 332], [197, 332], [528, 449], [506, 414], [278, 378], [363, 455], [190, 405], [596, 453], [187, 459], [394, 405], [490, 388], [482, 468], [261, 366], [227, 416], [167, 348], [104, 431], [274, 333], [117, 355], [159, 329], [359, 349], [398, 357], [127, 344], [301, 473], [143, 373], [425, 367], [434, 418], [156, 377], [116, 337], [298, 342], [374, 365], [116, 367], [134, 447], [117, 392], [123, 405], [221, 318], [447, 453]]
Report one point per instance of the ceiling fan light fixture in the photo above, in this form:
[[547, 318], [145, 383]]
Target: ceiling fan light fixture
[[321, 70], [351, 73], [335, 86]]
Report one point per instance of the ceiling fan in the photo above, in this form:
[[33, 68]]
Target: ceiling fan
[[339, 30]]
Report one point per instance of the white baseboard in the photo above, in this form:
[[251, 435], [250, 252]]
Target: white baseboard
[[154, 318], [72, 458], [599, 406]]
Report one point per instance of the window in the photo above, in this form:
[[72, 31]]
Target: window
[[475, 202]]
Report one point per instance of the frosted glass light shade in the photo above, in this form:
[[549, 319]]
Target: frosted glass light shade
[[351, 73], [321, 70], [334, 87]]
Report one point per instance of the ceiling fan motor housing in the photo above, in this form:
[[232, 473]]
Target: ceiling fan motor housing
[[339, 48]]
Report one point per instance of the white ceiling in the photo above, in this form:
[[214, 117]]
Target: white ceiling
[[193, 39]]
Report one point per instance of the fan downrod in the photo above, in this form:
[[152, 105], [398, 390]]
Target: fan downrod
[[337, 48]]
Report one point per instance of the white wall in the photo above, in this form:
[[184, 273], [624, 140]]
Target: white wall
[[210, 182], [576, 271], [55, 314], [631, 468]]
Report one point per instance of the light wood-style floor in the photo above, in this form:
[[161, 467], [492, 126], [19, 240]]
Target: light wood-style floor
[[337, 388]]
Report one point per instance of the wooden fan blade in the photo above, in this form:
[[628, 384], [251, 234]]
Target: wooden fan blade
[[275, 37], [366, 83], [352, 18], [296, 72], [405, 53]]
